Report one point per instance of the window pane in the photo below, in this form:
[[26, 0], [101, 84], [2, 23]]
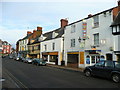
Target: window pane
[[93, 59], [96, 39], [109, 64]]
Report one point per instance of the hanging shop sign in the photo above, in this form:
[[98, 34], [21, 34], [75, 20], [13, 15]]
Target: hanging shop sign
[[84, 29]]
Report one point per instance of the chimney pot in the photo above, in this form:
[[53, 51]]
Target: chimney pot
[[64, 22]]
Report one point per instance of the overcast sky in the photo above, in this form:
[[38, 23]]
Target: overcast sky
[[19, 16]]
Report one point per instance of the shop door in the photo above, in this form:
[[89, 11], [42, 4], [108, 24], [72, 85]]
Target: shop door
[[109, 57], [95, 59], [118, 57], [73, 60]]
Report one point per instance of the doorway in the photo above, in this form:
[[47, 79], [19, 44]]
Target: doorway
[[109, 57]]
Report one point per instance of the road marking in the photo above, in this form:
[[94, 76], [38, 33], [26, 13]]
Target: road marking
[[16, 80]]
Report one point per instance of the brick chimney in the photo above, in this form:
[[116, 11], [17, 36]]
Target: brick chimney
[[39, 28], [90, 15], [28, 32], [34, 31], [64, 22]]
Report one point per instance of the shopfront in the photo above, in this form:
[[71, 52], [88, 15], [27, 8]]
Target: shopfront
[[52, 57], [93, 56], [73, 59]]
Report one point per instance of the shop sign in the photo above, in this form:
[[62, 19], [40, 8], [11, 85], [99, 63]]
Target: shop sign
[[84, 29]]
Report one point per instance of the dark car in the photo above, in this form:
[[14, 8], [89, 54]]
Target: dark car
[[39, 61], [107, 69]]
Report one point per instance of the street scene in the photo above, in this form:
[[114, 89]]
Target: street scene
[[48, 77], [53, 45]]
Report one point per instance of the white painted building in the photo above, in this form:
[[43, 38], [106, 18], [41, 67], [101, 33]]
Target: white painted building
[[52, 46], [90, 40], [23, 46]]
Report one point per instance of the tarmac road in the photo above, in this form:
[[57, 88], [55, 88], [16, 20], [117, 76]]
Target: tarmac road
[[25, 75]]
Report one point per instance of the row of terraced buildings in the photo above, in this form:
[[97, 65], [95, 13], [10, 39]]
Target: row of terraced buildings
[[78, 44]]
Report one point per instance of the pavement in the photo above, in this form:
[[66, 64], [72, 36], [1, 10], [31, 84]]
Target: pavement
[[66, 68]]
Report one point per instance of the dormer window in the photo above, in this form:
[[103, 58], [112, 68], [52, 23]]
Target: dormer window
[[54, 34]]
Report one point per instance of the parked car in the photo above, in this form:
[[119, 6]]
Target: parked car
[[10, 57], [29, 60], [39, 61], [24, 59], [108, 69]]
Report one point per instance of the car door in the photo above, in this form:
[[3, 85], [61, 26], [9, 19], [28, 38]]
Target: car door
[[108, 68], [98, 68]]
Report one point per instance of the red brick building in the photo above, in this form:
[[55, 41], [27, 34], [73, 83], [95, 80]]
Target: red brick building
[[6, 47]]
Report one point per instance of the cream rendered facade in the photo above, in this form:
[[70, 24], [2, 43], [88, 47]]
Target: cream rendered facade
[[86, 49], [23, 45], [47, 49]]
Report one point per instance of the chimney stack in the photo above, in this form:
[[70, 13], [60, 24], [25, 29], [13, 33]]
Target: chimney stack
[[90, 15], [64, 22], [28, 32], [34, 31], [39, 28]]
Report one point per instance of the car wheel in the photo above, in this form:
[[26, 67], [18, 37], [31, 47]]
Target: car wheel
[[116, 78], [87, 73]]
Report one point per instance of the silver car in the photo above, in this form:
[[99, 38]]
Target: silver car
[[29, 60]]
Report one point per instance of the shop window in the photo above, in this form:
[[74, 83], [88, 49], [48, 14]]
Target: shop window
[[97, 59], [93, 59], [102, 58], [87, 59]]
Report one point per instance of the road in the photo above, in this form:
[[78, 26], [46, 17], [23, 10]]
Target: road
[[31, 76]]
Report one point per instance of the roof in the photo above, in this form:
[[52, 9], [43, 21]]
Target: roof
[[93, 15], [117, 20], [48, 35], [36, 40]]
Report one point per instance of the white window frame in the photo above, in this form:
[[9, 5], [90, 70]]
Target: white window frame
[[72, 42]]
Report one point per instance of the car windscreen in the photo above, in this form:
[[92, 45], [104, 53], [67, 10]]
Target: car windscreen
[[117, 64]]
